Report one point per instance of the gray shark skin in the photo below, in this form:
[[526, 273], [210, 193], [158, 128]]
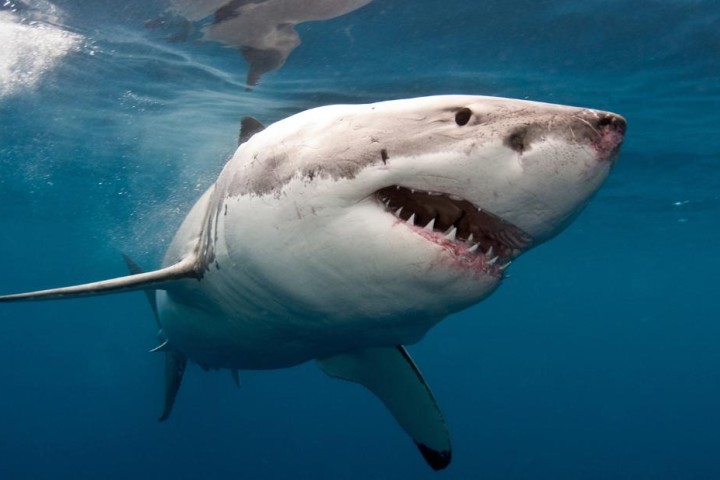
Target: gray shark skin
[[345, 232]]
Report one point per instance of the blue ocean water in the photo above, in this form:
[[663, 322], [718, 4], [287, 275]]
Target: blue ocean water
[[597, 359]]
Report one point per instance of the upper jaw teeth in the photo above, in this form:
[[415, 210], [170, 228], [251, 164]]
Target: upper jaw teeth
[[451, 235]]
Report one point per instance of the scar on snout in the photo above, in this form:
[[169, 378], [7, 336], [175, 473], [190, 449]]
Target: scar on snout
[[384, 156]]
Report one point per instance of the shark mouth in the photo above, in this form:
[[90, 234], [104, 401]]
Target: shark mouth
[[479, 240]]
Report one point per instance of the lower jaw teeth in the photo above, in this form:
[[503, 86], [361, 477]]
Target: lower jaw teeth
[[450, 234]]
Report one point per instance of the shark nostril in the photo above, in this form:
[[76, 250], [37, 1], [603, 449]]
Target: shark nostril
[[517, 140], [604, 121], [612, 122]]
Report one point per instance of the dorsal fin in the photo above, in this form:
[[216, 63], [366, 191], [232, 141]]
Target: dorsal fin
[[157, 279], [249, 126]]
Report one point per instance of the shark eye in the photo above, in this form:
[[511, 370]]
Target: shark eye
[[462, 117]]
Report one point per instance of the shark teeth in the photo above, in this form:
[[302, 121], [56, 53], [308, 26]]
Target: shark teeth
[[450, 233], [449, 220]]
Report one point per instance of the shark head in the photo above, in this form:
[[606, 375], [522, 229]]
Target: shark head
[[411, 207]]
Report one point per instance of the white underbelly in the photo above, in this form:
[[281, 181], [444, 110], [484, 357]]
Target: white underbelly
[[253, 338]]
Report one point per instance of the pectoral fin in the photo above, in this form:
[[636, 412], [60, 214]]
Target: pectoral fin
[[391, 374], [157, 279]]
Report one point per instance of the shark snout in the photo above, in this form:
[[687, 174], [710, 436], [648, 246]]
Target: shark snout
[[605, 131]]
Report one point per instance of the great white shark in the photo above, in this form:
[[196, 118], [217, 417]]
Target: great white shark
[[345, 232]]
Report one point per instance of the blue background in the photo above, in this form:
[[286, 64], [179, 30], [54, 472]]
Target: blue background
[[597, 359]]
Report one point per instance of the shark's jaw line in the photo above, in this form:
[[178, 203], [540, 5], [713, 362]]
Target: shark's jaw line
[[476, 239]]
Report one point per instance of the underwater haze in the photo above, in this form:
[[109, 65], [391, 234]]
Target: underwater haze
[[599, 358]]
